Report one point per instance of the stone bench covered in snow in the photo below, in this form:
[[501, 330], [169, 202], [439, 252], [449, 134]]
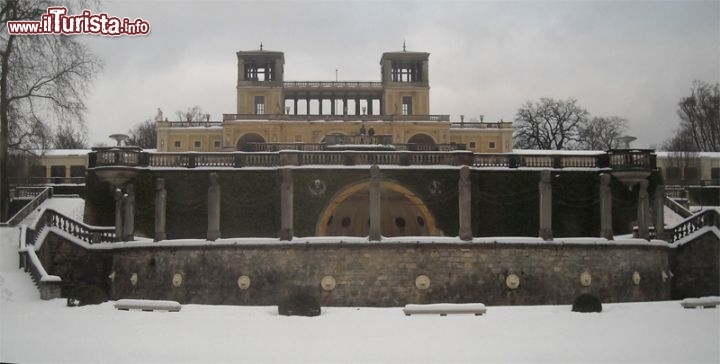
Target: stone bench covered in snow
[[148, 305], [443, 309], [705, 302]]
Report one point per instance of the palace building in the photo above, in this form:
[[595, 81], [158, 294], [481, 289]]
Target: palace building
[[390, 114]]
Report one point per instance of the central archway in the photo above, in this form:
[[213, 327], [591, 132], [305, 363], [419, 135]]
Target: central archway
[[244, 145], [402, 213]]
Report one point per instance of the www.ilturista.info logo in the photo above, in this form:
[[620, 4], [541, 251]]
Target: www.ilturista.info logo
[[57, 22]]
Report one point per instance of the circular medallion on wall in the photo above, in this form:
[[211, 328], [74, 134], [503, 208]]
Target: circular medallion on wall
[[435, 188], [112, 276], [665, 276], [328, 283], [134, 279], [422, 282], [177, 280], [586, 279], [512, 281], [317, 187], [243, 282], [636, 278]]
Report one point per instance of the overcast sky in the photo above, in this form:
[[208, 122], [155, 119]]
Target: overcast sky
[[629, 59]]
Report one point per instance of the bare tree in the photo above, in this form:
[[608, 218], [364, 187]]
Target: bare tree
[[700, 116], [549, 124], [143, 135], [602, 133], [67, 137], [193, 114], [42, 77]]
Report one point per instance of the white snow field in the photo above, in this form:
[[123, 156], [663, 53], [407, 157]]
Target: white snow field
[[32, 330]]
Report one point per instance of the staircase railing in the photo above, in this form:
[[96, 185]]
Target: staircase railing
[[710, 217], [87, 233], [677, 208], [39, 194]]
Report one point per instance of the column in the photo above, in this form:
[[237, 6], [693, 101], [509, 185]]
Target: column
[[606, 230], [344, 102], [332, 105], [320, 105], [286, 205], [213, 228], [160, 211], [464, 204], [660, 211], [307, 102], [118, 214], [643, 210], [545, 187], [129, 213], [374, 204], [295, 100], [357, 106]]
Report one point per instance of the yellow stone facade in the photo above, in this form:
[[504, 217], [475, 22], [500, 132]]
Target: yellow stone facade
[[270, 110]]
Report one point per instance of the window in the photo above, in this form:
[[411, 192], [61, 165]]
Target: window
[[57, 171], [472, 145], [197, 144], [407, 105], [38, 171], [77, 171], [672, 173], [491, 145], [259, 105], [216, 144], [692, 175], [177, 144]]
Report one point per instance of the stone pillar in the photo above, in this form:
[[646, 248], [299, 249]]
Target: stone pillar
[[606, 230], [160, 211], [295, 100], [369, 106], [129, 213], [118, 214], [332, 105], [320, 106], [374, 203], [643, 210], [344, 100], [286, 205], [357, 106], [660, 211], [545, 187], [213, 228], [464, 204]]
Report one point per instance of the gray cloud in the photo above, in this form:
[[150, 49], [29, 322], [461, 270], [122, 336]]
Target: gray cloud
[[630, 59]]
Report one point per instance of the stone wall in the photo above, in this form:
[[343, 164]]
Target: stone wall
[[75, 264], [393, 274], [696, 268]]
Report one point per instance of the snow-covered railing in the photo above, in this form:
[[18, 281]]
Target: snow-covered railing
[[87, 233], [709, 217], [677, 207], [49, 285], [39, 195], [617, 160]]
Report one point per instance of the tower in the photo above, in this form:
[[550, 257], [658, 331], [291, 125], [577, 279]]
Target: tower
[[406, 90], [260, 82]]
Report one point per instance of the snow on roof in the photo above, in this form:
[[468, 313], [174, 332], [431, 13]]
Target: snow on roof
[[556, 152], [61, 152], [699, 154]]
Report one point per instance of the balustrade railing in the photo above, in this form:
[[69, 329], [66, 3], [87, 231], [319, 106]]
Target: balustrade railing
[[677, 207], [86, 233], [38, 194], [405, 154], [710, 217]]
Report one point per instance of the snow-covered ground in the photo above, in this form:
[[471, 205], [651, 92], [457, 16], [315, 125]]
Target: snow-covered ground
[[32, 330]]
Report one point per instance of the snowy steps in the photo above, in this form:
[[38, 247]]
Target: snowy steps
[[704, 302], [444, 309], [147, 305]]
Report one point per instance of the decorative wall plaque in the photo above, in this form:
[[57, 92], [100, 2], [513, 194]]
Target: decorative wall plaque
[[422, 282], [435, 187], [665, 276], [586, 279], [636, 278], [177, 280], [134, 279], [317, 187], [243, 282], [328, 283], [512, 281]]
